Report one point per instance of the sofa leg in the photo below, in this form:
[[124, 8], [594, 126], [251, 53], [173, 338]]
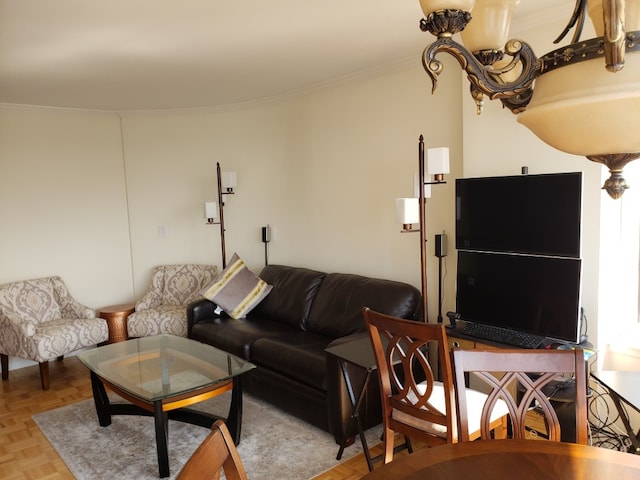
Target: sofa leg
[[60, 358], [44, 375], [4, 360]]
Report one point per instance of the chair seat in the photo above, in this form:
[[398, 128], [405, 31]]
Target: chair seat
[[475, 403], [171, 319], [64, 335]]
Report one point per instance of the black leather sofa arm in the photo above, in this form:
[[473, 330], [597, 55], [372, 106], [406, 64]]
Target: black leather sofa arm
[[199, 311]]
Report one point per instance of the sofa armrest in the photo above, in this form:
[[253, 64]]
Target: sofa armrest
[[20, 327], [200, 311]]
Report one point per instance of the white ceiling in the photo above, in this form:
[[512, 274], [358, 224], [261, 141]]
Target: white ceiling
[[160, 54]]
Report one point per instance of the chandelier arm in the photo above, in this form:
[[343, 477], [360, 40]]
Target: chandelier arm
[[586, 50], [485, 79], [577, 19], [614, 34]]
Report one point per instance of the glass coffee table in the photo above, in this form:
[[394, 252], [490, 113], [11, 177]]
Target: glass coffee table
[[162, 376]]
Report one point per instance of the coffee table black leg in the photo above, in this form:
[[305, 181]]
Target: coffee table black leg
[[234, 419], [101, 400], [162, 427]]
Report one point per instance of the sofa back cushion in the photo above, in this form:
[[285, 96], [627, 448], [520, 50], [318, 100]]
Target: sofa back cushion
[[292, 293], [32, 300], [337, 308]]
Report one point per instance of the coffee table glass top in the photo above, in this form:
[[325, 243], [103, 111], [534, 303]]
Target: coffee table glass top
[[158, 367]]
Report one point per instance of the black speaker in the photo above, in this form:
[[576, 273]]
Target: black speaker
[[266, 234], [441, 245]]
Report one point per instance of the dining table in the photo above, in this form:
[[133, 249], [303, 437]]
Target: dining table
[[512, 459]]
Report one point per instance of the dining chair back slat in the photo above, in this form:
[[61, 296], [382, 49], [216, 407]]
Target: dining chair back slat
[[523, 380], [216, 454]]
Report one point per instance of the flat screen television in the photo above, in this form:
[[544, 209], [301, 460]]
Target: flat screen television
[[528, 293], [536, 214]]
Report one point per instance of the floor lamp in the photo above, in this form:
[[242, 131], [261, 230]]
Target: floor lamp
[[226, 182], [437, 165]]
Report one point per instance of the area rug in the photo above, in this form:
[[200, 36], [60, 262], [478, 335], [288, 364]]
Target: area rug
[[274, 445]]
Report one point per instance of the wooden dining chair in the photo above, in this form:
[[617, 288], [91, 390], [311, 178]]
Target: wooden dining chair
[[215, 454], [414, 403], [523, 379]]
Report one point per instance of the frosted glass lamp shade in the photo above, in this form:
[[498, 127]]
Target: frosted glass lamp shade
[[407, 211], [437, 161], [585, 110], [489, 27], [210, 211], [430, 6], [229, 181]]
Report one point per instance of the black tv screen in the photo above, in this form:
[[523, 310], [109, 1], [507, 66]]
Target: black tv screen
[[539, 295], [536, 214]]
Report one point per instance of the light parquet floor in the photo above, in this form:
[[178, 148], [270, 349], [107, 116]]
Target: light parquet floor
[[25, 453]]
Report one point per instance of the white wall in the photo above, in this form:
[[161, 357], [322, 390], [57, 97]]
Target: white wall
[[63, 202], [100, 199]]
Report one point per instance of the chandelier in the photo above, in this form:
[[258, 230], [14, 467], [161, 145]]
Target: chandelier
[[582, 99]]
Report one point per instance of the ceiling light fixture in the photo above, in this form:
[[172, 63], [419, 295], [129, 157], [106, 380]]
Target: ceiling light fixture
[[567, 97]]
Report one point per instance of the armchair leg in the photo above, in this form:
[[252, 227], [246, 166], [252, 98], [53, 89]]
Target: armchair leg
[[4, 360], [44, 375]]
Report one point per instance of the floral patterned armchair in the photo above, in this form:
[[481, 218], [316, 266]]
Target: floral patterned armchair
[[40, 321], [163, 309]]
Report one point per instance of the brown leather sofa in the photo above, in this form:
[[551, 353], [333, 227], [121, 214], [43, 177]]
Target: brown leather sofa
[[286, 335]]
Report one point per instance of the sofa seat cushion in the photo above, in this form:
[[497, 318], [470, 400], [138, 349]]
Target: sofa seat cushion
[[297, 355], [236, 336]]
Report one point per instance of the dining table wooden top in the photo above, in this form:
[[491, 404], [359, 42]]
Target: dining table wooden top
[[517, 459]]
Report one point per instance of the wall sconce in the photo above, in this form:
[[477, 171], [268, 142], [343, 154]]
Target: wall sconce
[[412, 210], [227, 181]]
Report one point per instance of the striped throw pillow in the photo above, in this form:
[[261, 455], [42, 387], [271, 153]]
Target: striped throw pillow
[[237, 290]]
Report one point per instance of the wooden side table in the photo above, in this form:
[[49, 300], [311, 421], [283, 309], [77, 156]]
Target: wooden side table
[[116, 317]]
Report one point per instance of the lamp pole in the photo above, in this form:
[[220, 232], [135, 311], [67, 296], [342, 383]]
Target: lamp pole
[[423, 228], [221, 203]]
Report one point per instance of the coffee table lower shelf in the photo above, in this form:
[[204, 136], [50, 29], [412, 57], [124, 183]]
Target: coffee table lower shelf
[[174, 408]]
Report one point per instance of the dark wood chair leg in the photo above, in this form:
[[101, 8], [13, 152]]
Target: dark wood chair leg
[[44, 375], [4, 360]]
